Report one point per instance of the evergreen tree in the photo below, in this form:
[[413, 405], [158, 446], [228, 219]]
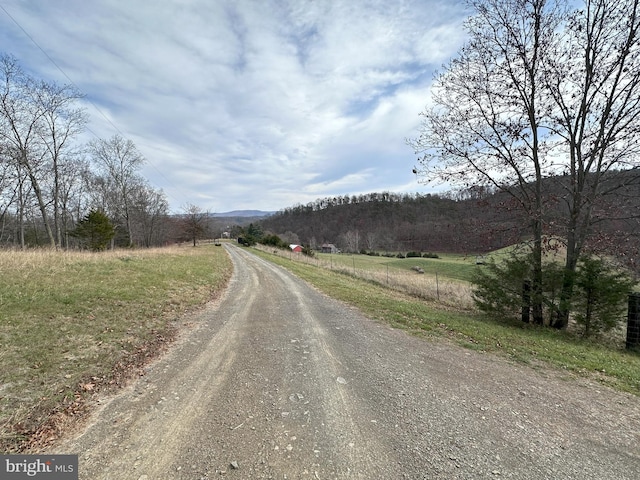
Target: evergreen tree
[[601, 292], [94, 231]]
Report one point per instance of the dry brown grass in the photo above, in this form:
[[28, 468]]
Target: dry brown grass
[[446, 291]]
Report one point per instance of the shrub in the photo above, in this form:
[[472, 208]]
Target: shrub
[[498, 286], [430, 255], [274, 241], [414, 255], [601, 291], [400, 255]]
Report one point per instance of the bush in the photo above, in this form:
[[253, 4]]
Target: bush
[[601, 291], [598, 301], [414, 255], [274, 241], [248, 241], [400, 255], [499, 286], [430, 255]]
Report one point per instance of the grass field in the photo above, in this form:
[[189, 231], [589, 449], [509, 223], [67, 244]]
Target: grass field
[[73, 322], [445, 279], [538, 346], [456, 267]]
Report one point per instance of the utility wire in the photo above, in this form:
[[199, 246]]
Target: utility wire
[[87, 99]]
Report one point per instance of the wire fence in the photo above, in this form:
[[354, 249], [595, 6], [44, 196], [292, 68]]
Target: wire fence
[[432, 287]]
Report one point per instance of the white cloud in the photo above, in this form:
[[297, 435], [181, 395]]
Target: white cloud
[[249, 104]]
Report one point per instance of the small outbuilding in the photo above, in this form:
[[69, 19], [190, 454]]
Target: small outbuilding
[[329, 248], [295, 248]]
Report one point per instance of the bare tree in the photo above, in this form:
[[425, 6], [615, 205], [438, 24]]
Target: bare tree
[[20, 131], [61, 122], [194, 222], [538, 91], [485, 126], [371, 240], [351, 241], [118, 161], [149, 209], [38, 120], [8, 190], [72, 193], [593, 80]]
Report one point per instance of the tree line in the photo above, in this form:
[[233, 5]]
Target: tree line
[[390, 222], [49, 181]]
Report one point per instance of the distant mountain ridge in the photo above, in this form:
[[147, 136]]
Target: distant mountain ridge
[[243, 213]]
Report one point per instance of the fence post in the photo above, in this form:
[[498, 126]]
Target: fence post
[[633, 322]]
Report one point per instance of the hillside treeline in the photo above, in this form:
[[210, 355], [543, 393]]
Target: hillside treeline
[[476, 220], [393, 222]]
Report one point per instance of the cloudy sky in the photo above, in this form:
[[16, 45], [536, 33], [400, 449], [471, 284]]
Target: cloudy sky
[[247, 104]]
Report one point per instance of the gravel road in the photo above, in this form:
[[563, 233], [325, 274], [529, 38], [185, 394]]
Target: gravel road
[[279, 381]]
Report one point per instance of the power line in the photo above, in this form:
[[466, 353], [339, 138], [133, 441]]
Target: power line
[[87, 99]]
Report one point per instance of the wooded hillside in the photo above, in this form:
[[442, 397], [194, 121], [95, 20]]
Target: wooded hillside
[[391, 222], [471, 222]]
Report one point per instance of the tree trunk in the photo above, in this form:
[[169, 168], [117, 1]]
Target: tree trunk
[[56, 208], [561, 318], [20, 213], [526, 301], [43, 209], [536, 283], [576, 236]]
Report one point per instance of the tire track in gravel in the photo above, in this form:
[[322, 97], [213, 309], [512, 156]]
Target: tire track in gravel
[[282, 382]]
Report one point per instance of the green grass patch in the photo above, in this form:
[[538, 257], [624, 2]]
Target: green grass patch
[[537, 346], [71, 322], [455, 267]]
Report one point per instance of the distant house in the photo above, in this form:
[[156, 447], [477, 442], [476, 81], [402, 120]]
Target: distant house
[[329, 248], [295, 248]]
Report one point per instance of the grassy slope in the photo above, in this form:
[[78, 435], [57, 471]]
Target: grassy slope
[[524, 343], [72, 323]]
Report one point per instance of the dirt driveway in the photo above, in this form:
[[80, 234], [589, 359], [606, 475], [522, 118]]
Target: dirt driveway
[[279, 381]]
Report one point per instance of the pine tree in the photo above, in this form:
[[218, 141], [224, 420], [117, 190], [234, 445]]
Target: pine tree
[[94, 231]]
